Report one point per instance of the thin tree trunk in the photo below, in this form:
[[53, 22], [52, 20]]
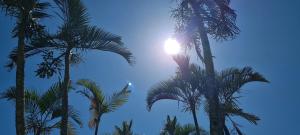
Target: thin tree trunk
[[20, 105], [97, 125], [196, 121], [212, 95], [64, 123]]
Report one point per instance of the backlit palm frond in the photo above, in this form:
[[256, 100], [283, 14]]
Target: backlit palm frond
[[93, 88], [236, 111], [233, 79], [164, 90], [73, 13], [98, 39], [118, 99], [221, 20]]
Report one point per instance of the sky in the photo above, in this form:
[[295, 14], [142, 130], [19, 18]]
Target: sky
[[269, 42]]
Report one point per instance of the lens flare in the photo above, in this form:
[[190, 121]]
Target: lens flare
[[172, 47]]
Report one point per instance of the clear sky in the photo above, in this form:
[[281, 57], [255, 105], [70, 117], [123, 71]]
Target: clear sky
[[269, 42]]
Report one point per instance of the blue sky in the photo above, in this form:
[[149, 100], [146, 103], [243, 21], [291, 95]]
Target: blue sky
[[269, 42]]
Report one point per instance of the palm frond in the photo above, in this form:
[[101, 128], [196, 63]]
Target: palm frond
[[233, 79], [9, 94], [235, 111], [98, 39], [93, 88], [73, 13], [163, 90], [51, 99], [118, 98]]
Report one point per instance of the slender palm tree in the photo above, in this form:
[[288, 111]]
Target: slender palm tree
[[184, 87], [170, 126], [26, 12], [198, 19], [43, 111], [100, 104], [125, 129], [74, 36]]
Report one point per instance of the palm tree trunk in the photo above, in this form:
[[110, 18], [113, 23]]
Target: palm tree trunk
[[97, 125], [64, 123], [196, 121], [20, 105], [212, 95]]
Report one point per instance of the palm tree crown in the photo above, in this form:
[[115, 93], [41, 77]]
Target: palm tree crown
[[101, 104], [126, 128], [185, 87]]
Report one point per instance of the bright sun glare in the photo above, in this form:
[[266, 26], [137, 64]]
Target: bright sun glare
[[172, 47]]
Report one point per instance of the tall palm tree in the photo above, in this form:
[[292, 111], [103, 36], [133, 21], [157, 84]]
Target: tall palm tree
[[43, 111], [229, 83], [26, 12], [125, 129], [184, 87], [100, 104], [198, 19], [74, 36]]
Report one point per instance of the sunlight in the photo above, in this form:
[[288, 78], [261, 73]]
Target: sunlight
[[172, 47]]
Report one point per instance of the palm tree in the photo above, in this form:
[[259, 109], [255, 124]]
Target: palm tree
[[213, 17], [125, 129], [26, 12], [43, 111], [230, 82], [74, 36], [100, 104], [171, 127], [184, 87]]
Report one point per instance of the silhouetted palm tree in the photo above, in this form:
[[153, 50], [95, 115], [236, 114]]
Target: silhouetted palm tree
[[100, 104], [172, 127], [229, 83], [125, 129], [184, 87], [196, 19], [43, 111], [26, 12]]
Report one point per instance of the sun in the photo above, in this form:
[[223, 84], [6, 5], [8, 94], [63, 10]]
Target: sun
[[172, 47]]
